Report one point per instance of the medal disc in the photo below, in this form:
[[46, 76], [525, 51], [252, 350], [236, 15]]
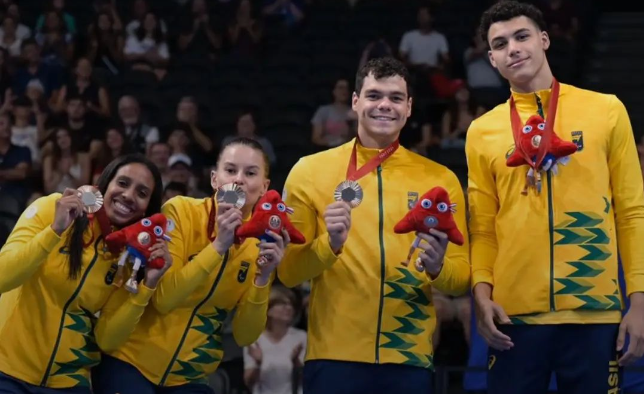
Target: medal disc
[[91, 198], [231, 194], [350, 192]]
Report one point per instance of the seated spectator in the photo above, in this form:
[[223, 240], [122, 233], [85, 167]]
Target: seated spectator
[[457, 119], [275, 361], [488, 88], [376, 48], [181, 171], [200, 34], [139, 133], [66, 167], [56, 43], [289, 13], [35, 92], [331, 122], [148, 44], [9, 40], [15, 164], [5, 77], [159, 154], [417, 133], [82, 85], [23, 132], [245, 31], [140, 9], [57, 6], [246, 127], [86, 130], [22, 31], [188, 113], [115, 146], [174, 189], [105, 43], [35, 68]]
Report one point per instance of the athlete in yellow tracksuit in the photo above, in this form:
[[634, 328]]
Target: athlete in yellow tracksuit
[[366, 308], [178, 341], [549, 260], [49, 334]]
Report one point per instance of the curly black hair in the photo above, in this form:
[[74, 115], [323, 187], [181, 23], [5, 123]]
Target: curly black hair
[[506, 10], [382, 67]]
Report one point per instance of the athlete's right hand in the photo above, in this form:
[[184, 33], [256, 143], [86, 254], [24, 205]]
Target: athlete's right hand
[[337, 218], [68, 208], [487, 313], [228, 219]]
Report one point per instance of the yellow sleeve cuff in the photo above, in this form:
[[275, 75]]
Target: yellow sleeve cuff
[[481, 276], [443, 278], [259, 294], [322, 248], [143, 296]]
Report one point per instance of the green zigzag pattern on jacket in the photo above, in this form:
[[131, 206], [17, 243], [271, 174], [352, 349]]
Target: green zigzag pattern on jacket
[[405, 287], [210, 351], [583, 229], [87, 356]]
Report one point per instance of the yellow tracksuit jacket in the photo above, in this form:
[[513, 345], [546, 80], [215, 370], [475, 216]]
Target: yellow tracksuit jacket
[[178, 339], [553, 257], [365, 306], [49, 335]]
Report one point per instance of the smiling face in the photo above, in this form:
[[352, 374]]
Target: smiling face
[[244, 166], [128, 194], [518, 49], [383, 107]]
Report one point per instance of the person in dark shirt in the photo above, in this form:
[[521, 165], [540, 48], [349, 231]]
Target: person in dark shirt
[[15, 163]]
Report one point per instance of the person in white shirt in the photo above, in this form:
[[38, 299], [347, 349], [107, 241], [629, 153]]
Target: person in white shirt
[[275, 361], [424, 47]]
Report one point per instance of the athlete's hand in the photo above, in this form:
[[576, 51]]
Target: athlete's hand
[[337, 218], [633, 326], [68, 208], [487, 313]]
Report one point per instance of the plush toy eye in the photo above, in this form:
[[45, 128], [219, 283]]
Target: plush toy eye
[[281, 207], [266, 206], [541, 126], [146, 222], [442, 207], [426, 203], [527, 129], [158, 231]]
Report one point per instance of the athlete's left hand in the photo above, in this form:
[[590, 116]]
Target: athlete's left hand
[[633, 325], [270, 255], [431, 258]]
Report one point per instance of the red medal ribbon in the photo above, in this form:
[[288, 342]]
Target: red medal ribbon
[[354, 173]]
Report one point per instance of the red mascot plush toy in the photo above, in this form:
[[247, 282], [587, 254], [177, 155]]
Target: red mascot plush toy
[[270, 213], [137, 238], [434, 210], [527, 149]]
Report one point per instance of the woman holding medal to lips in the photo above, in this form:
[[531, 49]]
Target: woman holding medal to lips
[[382, 342], [178, 342], [55, 269]]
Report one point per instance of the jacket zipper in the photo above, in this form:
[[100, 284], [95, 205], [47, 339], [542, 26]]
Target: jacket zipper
[[382, 261]]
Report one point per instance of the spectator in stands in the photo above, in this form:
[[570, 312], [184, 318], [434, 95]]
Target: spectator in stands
[[5, 77], [487, 86], [199, 33], [24, 132], [561, 18], [57, 6], [246, 127], [148, 44], [378, 47], [417, 134], [35, 92], [15, 164], [56, 42], [462, 111], [174, 189], [181, 170], [139, 133], [288, 12], [66, 167], [105, 43], [188, 113], [159, 154], [86, 130], [180, 139], [331, 122], [245, 31], [275, 361], [35, 68], [9, 40], [82, 85], [22, 31], [140, 9], [115, 146]]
